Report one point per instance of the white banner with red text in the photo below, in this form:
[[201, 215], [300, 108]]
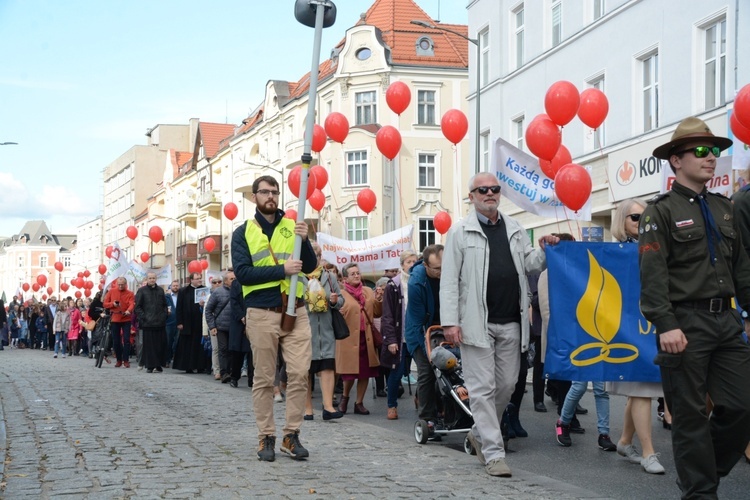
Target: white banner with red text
[[373, 254]]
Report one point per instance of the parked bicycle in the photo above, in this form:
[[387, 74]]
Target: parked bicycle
[[101, 340]]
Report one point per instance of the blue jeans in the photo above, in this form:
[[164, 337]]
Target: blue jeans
[[393, 381], [172, 336], [121, 340], [601, 397], [60, 341]]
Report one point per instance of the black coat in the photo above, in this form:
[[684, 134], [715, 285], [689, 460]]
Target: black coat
[[189, 354], [238, 340], [151, 307]]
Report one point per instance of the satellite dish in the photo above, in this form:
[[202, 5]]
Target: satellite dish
[[190, 193]]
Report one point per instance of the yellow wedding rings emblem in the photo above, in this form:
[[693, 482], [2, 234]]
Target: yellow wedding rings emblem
[[599, 313]]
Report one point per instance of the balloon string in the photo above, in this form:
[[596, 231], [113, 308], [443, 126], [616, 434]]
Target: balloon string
[[401, 198]]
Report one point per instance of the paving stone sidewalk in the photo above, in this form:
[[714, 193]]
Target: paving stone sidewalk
[[75, 431]]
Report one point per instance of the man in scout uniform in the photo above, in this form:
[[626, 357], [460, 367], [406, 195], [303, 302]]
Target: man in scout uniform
[[692, 265], [262, 250]]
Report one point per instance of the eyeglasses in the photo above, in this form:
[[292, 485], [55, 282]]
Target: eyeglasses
[[702, 151], [216, 282], [485, 189], [266, 192], [350, 273], [634, 217]]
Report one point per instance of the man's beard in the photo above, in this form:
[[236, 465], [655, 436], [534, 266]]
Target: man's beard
[[266, 210]]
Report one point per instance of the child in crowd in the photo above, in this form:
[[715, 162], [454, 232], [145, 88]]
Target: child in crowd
[[41, 331], [61, 326]]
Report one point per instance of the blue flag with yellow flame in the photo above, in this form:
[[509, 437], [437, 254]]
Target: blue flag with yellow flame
[[596, 329]]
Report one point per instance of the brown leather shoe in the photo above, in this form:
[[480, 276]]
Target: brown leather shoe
[[126, 364], [118, 364], [343, 404], [360, 409], [392, 414]]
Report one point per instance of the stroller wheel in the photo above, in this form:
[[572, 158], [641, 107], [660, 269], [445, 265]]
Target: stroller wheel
[[468, 447], [421, 431]]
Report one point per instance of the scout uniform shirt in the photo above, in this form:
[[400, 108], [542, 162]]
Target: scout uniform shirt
[[674, 255]]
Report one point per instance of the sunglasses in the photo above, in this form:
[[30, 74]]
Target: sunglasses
[[216, 282], [485, 189], [634, 217], [702, 151]]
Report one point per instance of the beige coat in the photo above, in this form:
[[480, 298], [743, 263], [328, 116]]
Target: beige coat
[[347, 350]]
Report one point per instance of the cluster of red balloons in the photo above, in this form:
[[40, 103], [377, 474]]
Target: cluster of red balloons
[[562, 103], [739, 122], [197, 266]]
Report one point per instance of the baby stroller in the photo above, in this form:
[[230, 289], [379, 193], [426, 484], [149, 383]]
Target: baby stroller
[[101, 340], [445, 361]]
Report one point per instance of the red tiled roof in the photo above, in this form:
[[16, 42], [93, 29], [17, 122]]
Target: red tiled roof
[[178, 159], [211, 134]]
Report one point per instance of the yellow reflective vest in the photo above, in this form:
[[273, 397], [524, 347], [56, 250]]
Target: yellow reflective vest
[[282, 243]]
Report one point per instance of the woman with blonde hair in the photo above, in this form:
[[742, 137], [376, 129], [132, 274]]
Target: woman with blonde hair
[[625, 226]]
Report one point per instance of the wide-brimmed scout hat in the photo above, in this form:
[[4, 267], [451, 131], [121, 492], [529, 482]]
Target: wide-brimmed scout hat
[[690, 130]]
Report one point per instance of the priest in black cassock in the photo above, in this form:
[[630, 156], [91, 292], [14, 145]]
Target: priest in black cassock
[[189, 354]]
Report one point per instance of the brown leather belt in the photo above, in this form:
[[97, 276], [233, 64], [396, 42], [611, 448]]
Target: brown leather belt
[[716, 306], [280, 309]]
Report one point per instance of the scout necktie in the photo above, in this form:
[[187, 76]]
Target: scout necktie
[[711, 230]]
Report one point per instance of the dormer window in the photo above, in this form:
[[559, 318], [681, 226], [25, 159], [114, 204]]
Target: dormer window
[[363, 54], [425, 46]]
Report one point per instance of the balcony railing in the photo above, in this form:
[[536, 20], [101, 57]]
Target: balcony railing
[[209, 200], [186, 211]]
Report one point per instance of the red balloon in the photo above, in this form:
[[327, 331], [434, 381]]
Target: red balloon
[[454, 125], [593, 108], [35, 287], [59, 266], [561, 102], [337, 126], [740, 131], [442, 222], [317, 200], [87, 293], [319, 138], [156, 234], [398, 97], [321, 176], [366, 200], [25, 287], [78, 295], [102, 269], [86, 273], [573, 186], [49, 290], [230, 211], [209, 244], [194, 267], [64, 287], [108, 251], [543, 138], [204, 264], [44, 297], [132, 232], [742, 107], [41, 279], [101, 286], [388, 140], [145, 256], [562, 157], [295, 179], [80, 274], [291, 214], [88, 285]]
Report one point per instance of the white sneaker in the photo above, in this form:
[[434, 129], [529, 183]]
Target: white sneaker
[[244, 373], [651, 464], [63, 355], [54, 356], [278, 397], [628, 451]]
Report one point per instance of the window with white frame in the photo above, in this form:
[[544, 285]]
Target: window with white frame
[[427, 234], [484, 141], [356, 228], [43, 261], [365, 105], [556, 22], [426, 107], [427, 167], [715, 64], [518, 132], [519, 33], [598, 7], [484, 45], [598, 134], [356, 168], [21, 261], [66, 261], [650, 91]]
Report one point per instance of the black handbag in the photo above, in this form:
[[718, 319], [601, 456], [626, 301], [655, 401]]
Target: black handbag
[[340, 328]]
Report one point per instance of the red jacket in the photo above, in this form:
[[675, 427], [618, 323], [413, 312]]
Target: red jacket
[[127, 303]]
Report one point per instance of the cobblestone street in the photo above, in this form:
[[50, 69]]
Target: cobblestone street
[[76, 431]]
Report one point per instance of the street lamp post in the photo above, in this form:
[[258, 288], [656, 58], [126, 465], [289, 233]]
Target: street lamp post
[[475, 41]]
